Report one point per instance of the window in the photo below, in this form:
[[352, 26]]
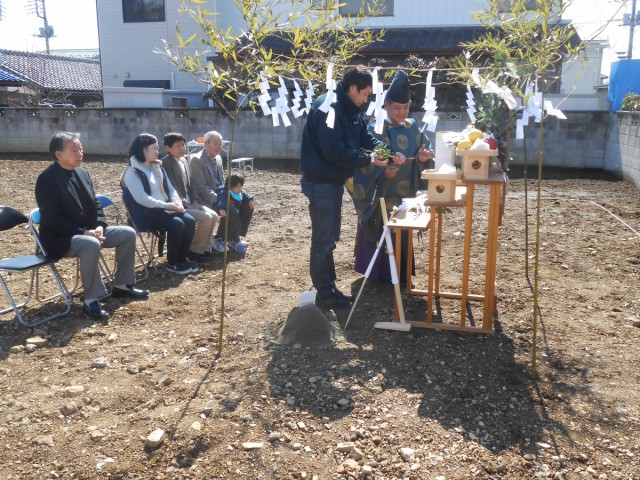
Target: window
[[166, 84], [353, 7], [143, 11]]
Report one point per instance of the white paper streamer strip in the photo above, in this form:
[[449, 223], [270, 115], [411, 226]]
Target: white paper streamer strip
[[376, 107], [330, 98], [489, 86], [471, 109], [551, 110], [374, 88], [308, 99], [265, 96], [531, 109], [282, 104], [430, 105], [297, 94], [508, 98]]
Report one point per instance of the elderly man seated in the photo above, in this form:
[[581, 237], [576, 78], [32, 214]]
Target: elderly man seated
[[207, 176], [72, 224], [207, 171]]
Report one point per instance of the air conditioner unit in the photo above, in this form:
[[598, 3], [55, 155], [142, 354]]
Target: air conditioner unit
[[179, 102]]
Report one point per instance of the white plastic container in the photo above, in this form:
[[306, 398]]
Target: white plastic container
[[444, 149], [307, 298]]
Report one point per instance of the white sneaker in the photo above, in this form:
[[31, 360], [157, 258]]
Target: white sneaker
[[243, 243], [218, 245]]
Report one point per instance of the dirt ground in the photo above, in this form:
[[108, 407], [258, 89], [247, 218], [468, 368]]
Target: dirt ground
[[427, 404]]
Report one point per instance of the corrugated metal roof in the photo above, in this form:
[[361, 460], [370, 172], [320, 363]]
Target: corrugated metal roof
[[52, 72]]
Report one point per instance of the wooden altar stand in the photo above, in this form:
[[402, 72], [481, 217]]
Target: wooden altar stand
[[432, 221]]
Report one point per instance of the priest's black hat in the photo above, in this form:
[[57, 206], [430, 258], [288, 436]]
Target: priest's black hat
[[399, 90]]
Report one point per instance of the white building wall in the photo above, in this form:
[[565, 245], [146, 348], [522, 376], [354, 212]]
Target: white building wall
[[420, 13], [581, 75], [128, 50]]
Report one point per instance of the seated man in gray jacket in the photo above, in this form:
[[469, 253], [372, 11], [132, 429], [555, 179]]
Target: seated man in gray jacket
[[207, 171], [177, 167]]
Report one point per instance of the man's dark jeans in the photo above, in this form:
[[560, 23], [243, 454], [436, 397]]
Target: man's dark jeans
[[325, 210]]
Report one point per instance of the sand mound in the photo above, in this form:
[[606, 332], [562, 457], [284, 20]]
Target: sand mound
[[307, 325]]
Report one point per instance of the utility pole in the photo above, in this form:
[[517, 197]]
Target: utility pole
[[632, 25], [39, 8]]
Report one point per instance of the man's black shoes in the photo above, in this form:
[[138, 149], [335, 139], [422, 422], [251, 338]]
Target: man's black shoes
[[94, 310], [335, 301], [198, 257], [344, 296], [129, 292]]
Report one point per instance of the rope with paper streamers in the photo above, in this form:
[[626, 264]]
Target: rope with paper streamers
[[281, 107], [533, 108]]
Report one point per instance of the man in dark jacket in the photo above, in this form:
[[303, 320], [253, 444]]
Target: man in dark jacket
[[72, 224], [334, 144]]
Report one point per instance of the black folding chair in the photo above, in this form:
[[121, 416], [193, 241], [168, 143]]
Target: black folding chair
[[9, 219]]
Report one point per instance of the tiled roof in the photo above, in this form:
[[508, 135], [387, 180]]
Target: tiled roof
[[432, 40], [416, 40], [425, 40], [52, 72], [8, 77], [410, 40]]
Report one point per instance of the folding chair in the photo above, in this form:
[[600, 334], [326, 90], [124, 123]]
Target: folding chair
[[106, 203], [34, 219], [105, 271], [10, 218], [154, 238]]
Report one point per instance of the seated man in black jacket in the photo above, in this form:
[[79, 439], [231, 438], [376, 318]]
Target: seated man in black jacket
[[73, 224]]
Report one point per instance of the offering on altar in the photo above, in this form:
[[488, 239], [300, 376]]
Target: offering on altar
[[442, 183], [476, 160]]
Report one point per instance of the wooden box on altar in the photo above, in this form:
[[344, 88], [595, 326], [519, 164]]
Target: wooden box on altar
[[442, 185], [476, 163]]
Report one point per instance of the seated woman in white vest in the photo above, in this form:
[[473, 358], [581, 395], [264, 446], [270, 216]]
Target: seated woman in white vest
[[154, 204]]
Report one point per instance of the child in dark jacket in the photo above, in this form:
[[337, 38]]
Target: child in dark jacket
[[239, 210]]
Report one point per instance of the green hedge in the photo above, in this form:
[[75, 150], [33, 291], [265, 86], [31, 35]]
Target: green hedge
[[631, 103]]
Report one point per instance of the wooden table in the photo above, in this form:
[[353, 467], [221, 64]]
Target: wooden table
[[433, 221]]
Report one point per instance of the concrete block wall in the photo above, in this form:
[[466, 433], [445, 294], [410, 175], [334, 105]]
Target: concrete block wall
[[623, 146], [111, 131], [584, 140], [577, 142]]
